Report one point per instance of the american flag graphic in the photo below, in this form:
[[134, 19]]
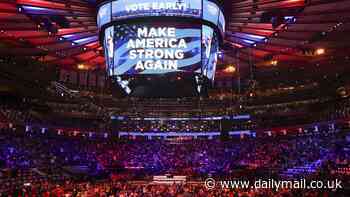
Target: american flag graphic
[[125, 66]]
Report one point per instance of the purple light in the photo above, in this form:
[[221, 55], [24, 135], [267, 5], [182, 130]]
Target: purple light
[[84, 40], [34, 8], [248, 41], [68, 36]]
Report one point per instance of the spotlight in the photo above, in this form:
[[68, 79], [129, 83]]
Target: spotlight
[[230, 69], [220, 55], [274, 62], [320, 51], [81, 66]]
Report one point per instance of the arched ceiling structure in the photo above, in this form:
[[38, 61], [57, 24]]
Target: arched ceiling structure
[[288, 32], [259, 32]]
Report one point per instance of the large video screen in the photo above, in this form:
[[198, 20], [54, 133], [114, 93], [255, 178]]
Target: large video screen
[[104, 14], [222, 23], [155, 48], [210, 49], [211, 12]]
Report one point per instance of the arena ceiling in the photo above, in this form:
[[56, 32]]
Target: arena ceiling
[[259, 32]]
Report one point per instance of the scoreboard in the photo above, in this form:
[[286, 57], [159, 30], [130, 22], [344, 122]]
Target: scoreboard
[[161, 37]]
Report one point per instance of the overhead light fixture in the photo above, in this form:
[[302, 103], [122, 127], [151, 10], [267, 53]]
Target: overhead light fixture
[[81, 66], [230, 69], [274, 62], [320, 51]]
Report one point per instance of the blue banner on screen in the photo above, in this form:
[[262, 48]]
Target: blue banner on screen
[[126, 9], [152, 49], [137, 8]]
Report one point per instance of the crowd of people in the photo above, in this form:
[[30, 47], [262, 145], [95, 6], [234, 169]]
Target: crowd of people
[[193, 157], [15, 115], [40, 164], [129, 189], [90, 116], [36, 165], [39, 158], [168, 126]]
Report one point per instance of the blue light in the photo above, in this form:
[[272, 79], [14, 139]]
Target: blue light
[[34, 8], [288, 17], [241, 117], [68, 36], [250, 37], [82, 40], [256, 37], [248, 41]]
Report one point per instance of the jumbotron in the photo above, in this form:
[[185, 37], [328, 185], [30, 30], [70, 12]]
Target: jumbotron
[[157, 41]]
